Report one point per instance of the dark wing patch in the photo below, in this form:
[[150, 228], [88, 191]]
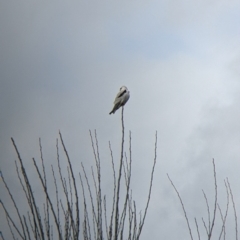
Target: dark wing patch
[[122, 93]]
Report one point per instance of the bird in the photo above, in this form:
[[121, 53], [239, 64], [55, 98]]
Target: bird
[[121, 99]]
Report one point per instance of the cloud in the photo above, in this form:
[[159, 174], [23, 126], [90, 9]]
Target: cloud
[[62, 64]]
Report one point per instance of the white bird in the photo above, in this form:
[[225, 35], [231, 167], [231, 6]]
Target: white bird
[[121, 99]]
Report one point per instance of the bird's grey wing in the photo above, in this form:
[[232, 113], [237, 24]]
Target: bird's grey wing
[[119, 96], [124, 98], [116, 106], [117, 100], [121, 93]]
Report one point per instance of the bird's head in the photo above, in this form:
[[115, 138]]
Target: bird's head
[[123, 88]]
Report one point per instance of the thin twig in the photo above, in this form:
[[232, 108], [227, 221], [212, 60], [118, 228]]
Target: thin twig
[[150, 188], [215, 203], [119, 181], [114, 194], [57, 195], [8, 217], [49, 199], [91, 198], [75, 189], [32, 203], [208, 211], [197, 229], [14, 203], [47, 225], [185, 213], [11, 230], [225, 216], [86, 218], [127, 172], [234, 209], [64, 187]]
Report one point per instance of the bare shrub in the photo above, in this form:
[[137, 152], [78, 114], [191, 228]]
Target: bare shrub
[[209, 223], [73, 212]]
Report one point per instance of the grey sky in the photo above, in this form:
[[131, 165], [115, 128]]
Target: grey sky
[[62, 63]]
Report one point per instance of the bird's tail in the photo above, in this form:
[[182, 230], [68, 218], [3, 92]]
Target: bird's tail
[[116, 107]]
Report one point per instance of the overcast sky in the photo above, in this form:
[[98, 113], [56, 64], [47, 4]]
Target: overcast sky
[[63, 62]]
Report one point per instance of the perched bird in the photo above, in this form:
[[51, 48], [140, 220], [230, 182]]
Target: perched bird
[[121, 98]]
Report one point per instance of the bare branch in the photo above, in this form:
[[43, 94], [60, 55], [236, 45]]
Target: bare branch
[[32, 202], [197, 229], [119, 181], [47, 225], [49, 200], [94, 219], [114, 194], [75, 189], [225, 216], [208, 211], [234, 209], [8, 217], [150, 188], [215, 203], [14, 203], [185, 213]]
